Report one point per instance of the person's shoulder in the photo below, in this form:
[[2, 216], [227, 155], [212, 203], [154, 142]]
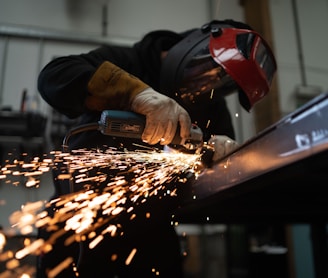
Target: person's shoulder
[[111, 47], [113, 53]]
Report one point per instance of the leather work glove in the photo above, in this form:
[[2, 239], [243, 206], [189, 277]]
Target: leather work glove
[[110, 87], [163, 114], [222, 146]]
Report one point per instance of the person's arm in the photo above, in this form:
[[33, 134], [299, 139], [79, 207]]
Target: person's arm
[[73, 85], [62, 83]]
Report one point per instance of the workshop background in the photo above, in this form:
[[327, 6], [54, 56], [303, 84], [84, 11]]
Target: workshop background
[[32, 32]]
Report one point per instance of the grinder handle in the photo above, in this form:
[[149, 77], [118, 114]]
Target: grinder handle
[[131, 125]]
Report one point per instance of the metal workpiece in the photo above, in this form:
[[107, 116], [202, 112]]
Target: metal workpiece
[[296, 136], [295, 139]]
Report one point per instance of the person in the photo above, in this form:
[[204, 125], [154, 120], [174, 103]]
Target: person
[[174, 80]]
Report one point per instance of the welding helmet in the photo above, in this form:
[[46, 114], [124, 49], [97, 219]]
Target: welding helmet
[[218, 59]]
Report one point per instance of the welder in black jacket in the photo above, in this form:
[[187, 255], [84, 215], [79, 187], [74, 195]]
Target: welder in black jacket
[[174, 79]]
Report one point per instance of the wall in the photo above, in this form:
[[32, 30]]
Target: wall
[[312, 19]]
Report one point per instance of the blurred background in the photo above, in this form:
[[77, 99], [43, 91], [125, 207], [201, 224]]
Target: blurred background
[[33, 32]]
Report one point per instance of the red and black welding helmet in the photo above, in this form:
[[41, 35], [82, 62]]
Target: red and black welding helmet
[[219, 58]]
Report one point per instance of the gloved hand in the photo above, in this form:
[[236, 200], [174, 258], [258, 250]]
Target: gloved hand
[[163, 114], [222, 146], [110, 87]]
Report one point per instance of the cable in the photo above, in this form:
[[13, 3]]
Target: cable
[[76, 130]]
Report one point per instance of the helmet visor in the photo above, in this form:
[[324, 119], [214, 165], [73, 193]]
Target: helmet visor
[[201, 75], [265, 61], [248, 59]]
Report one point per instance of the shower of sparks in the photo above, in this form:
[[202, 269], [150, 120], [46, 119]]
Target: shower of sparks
[[100, 186]]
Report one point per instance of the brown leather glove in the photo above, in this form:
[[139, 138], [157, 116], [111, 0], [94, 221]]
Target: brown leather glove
[[110, 87]]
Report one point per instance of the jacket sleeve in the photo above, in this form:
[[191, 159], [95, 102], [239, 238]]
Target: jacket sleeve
[[62, 83], [93, 81]]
